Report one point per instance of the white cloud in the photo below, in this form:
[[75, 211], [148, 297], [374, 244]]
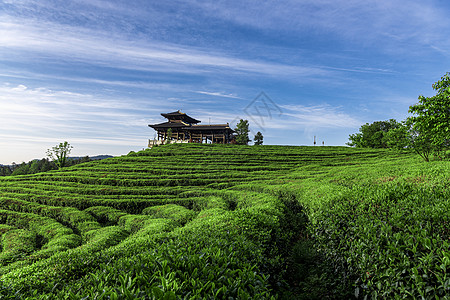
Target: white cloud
[[20, 87], [95, 47], [37, 115], [218, 94], [365, 22], [291, 117], [320, 116]]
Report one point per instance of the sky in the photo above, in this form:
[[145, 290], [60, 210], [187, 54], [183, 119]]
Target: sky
[[95, 73]]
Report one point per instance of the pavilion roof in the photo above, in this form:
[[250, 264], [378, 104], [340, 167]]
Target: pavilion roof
[[178, 115], [210, 127], [169, 125]]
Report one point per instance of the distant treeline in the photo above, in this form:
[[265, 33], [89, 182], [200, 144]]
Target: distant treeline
[[37, 166], [426, 131]]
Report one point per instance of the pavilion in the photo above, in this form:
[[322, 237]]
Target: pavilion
[[185, 129]]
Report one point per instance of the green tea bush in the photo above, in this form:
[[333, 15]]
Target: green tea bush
[[172, 211], [16, 244]]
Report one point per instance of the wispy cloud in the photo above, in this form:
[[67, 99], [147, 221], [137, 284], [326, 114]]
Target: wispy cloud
[[218, 94], [369, 22], [291, 117], [320, 116], [45, 114], [96, 48]]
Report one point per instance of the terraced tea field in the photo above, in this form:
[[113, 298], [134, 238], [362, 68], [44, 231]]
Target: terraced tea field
[[223, 221]]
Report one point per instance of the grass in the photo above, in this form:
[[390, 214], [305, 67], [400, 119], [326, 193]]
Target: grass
[[224, 221]]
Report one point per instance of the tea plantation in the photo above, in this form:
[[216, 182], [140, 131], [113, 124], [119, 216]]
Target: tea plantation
[[230, 222]]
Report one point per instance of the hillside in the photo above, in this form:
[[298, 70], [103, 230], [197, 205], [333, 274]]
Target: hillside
[[216, 221]]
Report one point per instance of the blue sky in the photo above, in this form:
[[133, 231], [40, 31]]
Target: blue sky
[[95, 73]]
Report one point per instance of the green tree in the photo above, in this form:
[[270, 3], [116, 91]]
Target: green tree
[[46, 165], [59, 154], [419, 141], [169, 136], [5, 171], [35, 166], [258, 138], [399, 137], [373, 135], [242, 132], [431, 117], [22, 169]]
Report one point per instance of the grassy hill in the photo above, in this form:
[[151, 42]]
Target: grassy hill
[[220, 221]]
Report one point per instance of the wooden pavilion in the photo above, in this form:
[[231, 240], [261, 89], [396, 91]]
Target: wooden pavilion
[[185, 129]]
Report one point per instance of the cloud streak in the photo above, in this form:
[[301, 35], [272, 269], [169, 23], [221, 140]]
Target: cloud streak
[[35, 114], [93, 47], [218, 94]]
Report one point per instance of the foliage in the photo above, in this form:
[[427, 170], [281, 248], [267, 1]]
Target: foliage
[[419, 140], [431, 117], [258, 138], [59, 154], [399, 137], [38, 166], [242, 132], [169, 136], [374, 135]]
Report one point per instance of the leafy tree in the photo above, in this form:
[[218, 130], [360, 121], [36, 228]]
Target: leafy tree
[[169, 136], [22, 169], [419, 141], [242, 132], [59, 154], [5, 171], [373, 135], [431, 117], [258, 138], [46, 165], [399, 137], [35, 167]]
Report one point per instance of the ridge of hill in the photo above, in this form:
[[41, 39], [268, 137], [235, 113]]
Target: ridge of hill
[[220, 221]]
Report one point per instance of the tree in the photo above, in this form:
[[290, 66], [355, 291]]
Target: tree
[[419, 141], [258, 138], [398, 138], [5, 171], [22, 169], [35, 167], [242, 132], [373, 135], [169, 136], [431, 117], [59, 154]]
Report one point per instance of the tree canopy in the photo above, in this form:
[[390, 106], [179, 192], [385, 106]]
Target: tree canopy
[[258, 138], [242, 132], [373, 135], [59, 154], [431, 117]]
